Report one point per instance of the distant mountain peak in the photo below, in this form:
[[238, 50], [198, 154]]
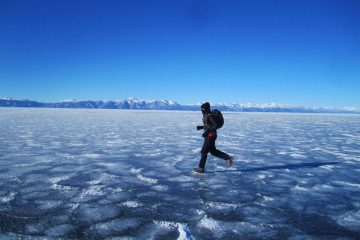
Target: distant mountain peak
[[69, 100], [11, 99], [5, 98]]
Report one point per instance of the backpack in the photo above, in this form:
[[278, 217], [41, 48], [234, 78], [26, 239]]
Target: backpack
[[219, 119]]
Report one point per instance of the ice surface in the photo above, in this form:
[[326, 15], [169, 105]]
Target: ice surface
[[119, 174], [61, 230], [117, 226], [131, 204]]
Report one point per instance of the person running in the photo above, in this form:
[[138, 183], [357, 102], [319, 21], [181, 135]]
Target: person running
[[210, 136]]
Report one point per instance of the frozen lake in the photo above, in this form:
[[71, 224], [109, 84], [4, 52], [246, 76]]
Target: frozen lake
[[118, 174]]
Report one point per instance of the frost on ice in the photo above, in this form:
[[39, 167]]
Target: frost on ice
[[103, 174]]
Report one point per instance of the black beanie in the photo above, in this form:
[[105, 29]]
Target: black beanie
[[205, 106]]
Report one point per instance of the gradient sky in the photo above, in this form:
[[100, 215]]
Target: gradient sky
[[304, 52]]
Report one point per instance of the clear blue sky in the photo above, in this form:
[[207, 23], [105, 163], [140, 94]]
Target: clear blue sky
[[304, 52]]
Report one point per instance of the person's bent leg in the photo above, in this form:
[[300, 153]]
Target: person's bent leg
[[220, 154]]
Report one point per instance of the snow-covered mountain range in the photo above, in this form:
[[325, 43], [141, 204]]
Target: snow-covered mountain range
[[133, 103]]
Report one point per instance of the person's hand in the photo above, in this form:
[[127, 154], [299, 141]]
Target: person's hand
[[199, 127], [205, 134]]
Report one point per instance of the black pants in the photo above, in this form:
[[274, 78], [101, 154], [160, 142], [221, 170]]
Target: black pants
[[209, 146]]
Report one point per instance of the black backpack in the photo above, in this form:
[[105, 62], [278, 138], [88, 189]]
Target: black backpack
[[219, 119]]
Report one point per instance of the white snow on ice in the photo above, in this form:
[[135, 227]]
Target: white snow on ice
[[126, 174]]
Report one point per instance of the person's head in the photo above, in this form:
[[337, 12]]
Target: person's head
[[205, 107]]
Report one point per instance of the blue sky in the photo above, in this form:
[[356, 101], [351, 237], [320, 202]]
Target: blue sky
[[303, 52]]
